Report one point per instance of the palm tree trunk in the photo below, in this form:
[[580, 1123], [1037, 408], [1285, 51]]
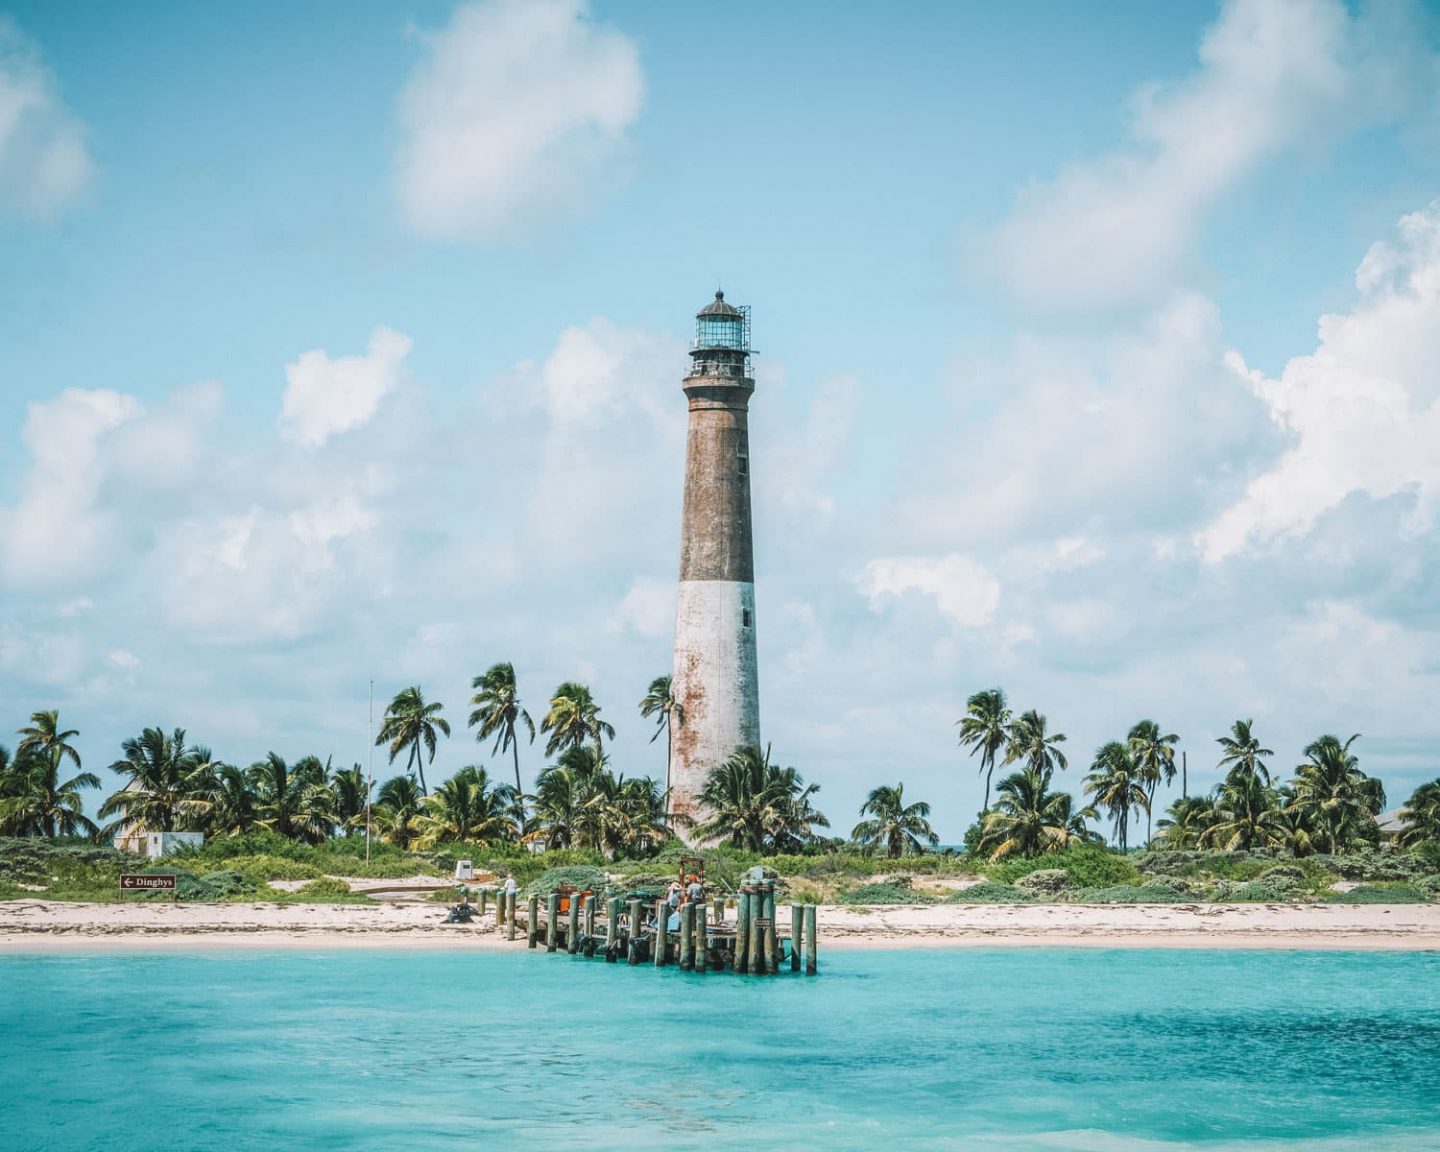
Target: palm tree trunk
[[418, 766]]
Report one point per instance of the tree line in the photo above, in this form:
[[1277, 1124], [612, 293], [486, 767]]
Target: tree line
[[580, 801]]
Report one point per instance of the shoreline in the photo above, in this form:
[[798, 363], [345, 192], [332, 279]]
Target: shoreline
[[38, 926]]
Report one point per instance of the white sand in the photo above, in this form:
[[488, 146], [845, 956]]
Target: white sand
[[39, 925]]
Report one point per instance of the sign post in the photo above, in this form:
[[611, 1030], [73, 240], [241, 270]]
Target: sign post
[[138, 882]]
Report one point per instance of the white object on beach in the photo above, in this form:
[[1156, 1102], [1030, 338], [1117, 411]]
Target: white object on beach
[[464, 870]]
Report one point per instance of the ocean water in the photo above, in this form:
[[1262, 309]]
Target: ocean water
[[1030, 1049]]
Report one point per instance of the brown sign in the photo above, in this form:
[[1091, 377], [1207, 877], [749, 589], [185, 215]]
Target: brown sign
[[129, 882]]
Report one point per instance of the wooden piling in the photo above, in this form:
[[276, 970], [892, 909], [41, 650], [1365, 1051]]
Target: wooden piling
[[797, 934], [552, 916], [702, 937], [532, 922], [771, 936], [634, 957], [572, 936], [590, 914], [662, 929], [482, 902], [755, 953], [612, 926], [687, 937], [719, 910], [812, 964], [742, 930], [510, 915]]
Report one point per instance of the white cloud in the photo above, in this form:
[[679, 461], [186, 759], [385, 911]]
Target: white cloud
[[57, 528], [648, 608], [517, 110], [1362, 412], [964, 592], [124, 660], [44, 164], [324, 397], [1274, 76]]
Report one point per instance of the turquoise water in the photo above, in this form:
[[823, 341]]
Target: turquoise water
[[998, 1050]]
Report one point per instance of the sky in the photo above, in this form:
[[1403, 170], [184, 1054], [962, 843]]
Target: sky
[[343, 342]]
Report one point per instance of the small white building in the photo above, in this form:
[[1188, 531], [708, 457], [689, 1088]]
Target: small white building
[[154, 845]]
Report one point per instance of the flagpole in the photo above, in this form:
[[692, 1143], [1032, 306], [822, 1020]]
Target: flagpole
[[370, 771]]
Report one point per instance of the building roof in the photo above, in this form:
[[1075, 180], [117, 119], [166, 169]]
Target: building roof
[[1394, 822], [718, 307]]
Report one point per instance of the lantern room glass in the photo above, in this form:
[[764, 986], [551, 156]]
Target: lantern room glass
[[720, 332]]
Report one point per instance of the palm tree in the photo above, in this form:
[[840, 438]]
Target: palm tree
[[39, 803], [757, 805], [297, 802], [574, 717], [1185, 822], [1247, 814], [1030, 820], [1337, 800], [660, 702], [233, 805], [899, 827], [350, 793], [168, 789], [43, 736], [411, 723], [398, 807], [466, 808], [1154, 758], [985, 728], [495, 711], [1117, 785], [1422, 816], [561, 791], [1243, 751], [1029, 743]]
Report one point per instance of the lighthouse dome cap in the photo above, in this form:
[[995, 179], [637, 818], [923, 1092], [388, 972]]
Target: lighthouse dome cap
[[718, 307]]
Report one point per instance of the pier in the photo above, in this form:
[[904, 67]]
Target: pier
[[696, 936]]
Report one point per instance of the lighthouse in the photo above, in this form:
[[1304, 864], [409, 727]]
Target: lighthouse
[[715, 680]]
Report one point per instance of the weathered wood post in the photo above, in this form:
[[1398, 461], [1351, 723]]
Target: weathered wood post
[[532, 922], [812, 965], [719, 910], [510, 915], [483, 901], [572, 937], [500, 909], [612, 928], [742, 930], [687, 936], [552, 916], [590, 914], [770, 938], [797, 934], [634, 957], [662, 929], [702, 937], [755, 954]]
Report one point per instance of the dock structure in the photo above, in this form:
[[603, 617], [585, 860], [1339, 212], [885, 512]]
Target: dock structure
[[706, 940]]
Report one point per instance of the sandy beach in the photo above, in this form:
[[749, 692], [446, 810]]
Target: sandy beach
[[40, 925]]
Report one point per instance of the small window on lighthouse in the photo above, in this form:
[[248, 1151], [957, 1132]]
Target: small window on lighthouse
[[744, 612], [744, 464]]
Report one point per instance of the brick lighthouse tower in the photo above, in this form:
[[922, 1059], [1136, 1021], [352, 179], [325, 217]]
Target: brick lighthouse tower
[[715, 679]]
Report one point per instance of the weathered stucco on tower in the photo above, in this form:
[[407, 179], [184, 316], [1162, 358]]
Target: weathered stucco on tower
[[715, 678]]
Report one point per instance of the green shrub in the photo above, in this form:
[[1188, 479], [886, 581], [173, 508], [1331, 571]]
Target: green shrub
[[1046, 882], [1379, 894], [1131, 894], [227, 883], [260, 869], [1429, 886], [1373, 865], [580, 876], [897, 891], [1087, 865], [989, 892], [327, 891], [1268, 889]]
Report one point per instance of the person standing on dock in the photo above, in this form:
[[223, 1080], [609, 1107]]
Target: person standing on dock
[[695, 891]]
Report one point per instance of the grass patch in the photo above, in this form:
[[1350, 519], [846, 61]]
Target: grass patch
[[889, 892], [990, 892], [1379, 894], [1132, 894], [1087, 865]]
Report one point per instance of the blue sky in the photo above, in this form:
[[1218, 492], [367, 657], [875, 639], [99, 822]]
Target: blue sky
[[345, 341]]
